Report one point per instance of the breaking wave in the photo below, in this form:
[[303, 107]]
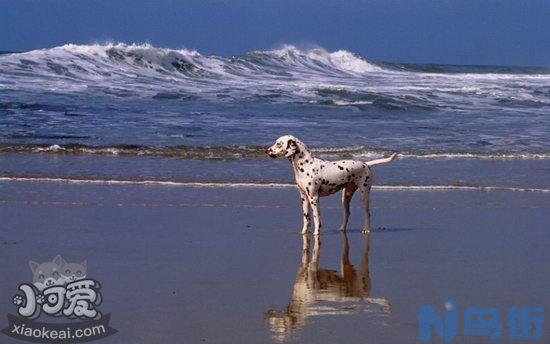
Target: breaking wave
[[140, 100], [289, 74], [77, 67]]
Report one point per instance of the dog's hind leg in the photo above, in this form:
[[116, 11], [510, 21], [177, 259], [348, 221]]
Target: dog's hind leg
[[365, 200], [347, 194]]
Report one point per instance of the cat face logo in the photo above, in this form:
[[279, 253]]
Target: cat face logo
[[59, 289], [71, 272], [56, 272]]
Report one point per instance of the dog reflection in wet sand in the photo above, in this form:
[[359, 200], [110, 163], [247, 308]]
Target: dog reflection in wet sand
[[319, 292]]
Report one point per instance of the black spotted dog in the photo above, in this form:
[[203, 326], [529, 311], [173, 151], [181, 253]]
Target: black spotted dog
[[317, 178]]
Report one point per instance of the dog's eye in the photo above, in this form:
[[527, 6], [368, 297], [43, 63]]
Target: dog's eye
[[278, 144], [79, 272], [67, 271], [40, 277]]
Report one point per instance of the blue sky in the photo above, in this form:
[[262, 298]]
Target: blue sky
[[503, 32]]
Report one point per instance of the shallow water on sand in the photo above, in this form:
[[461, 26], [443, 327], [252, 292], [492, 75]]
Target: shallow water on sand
[[187, 264], [403, 172]]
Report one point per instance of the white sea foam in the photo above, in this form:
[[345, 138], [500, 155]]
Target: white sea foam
[[145, 71], [255, 152], [262, 185], [52, 148], [493, 156]]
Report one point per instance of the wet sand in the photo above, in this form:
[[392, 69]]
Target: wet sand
[[226, 265]]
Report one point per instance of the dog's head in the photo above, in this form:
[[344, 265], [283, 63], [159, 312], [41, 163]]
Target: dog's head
[[285, 146], [47, 274], [73, 271]]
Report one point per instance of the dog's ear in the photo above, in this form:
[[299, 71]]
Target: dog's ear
[[62, 262], [58, 260], [34, 265], [291, 148], [291, 143]]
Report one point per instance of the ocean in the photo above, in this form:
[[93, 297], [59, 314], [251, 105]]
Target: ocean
[[138, 113]]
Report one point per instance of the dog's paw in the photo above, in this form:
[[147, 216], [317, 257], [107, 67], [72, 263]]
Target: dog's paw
[[40, 299], [18, 300]]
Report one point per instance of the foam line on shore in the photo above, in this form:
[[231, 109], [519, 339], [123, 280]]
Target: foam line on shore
[[254, 152], [261, 185]]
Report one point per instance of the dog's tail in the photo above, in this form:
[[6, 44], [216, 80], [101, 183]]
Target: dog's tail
[[381, 161]]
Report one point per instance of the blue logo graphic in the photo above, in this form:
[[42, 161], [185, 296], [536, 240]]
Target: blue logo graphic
[[523, 323]]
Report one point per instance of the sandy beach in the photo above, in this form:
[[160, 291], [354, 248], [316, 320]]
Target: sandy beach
[[151, 154], [182, 264]]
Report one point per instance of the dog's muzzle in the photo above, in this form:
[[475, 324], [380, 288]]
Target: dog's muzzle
[[270, 153]]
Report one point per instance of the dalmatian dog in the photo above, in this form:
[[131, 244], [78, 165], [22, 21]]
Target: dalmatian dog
[[317, 178]]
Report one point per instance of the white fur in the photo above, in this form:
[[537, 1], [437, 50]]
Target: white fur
[[316, 178]]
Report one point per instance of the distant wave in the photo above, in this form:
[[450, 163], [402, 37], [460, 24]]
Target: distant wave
[[288, 75], [264, 185], [255, 152], [120, 64]]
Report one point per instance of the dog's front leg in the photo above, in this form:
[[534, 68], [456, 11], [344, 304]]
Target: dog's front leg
[[347, 194], [314, 202], [306, 210]]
